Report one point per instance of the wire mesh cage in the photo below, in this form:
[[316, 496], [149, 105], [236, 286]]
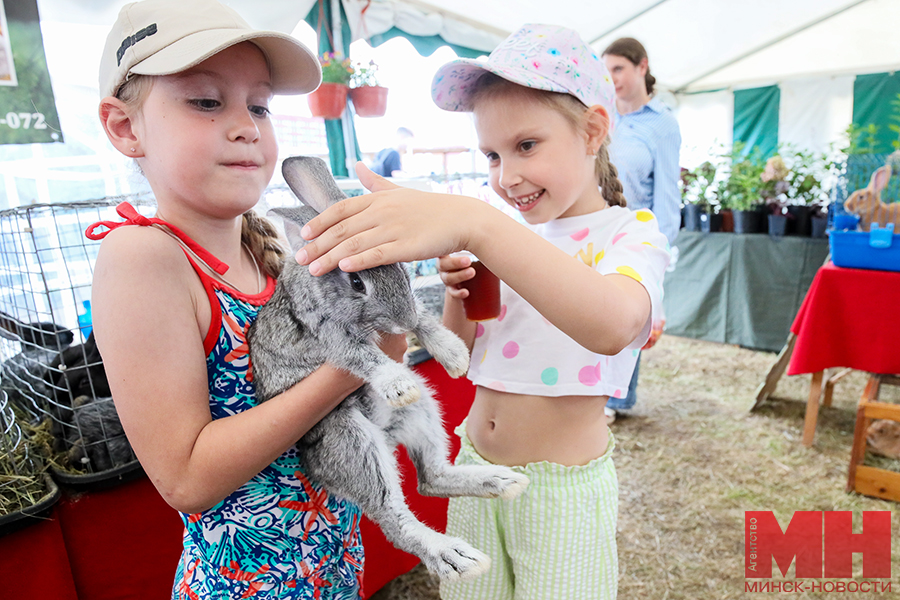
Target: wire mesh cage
[[858, 171], [51, 373]]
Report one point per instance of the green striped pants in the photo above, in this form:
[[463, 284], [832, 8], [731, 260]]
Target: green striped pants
[[556, 541]]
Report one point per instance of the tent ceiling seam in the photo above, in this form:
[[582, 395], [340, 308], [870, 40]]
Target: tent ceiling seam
[[761, 47], [626, 22]]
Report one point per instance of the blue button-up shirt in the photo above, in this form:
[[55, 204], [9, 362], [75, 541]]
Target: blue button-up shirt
[[644, 148]]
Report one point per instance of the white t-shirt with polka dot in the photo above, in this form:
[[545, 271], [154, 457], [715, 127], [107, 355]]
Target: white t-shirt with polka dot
[[523, 353]]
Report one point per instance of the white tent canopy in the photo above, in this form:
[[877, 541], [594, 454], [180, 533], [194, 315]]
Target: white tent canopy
[[694, 44], [700, 52]]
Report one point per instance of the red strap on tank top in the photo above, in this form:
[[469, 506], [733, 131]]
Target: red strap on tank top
[[133, 217]]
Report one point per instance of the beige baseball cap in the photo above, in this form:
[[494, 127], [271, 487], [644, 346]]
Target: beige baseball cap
[[162, 37]]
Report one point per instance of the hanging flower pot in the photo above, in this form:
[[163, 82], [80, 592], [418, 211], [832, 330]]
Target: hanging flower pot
[[370, 100], [328, 101]]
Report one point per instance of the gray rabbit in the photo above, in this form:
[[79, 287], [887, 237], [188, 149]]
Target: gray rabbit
[[95, 436], [335, 318]]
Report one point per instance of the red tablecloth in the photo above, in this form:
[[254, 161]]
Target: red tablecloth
[[849, 318]]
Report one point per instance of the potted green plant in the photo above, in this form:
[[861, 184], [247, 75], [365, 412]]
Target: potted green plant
[[330, 98], [695, 190], [805, 172], [368, 97], [773, 189], [743, 188]]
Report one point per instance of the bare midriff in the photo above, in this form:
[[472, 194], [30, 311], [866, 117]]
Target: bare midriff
[[517, 429]]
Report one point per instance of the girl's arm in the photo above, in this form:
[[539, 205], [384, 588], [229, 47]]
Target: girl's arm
[[146, 309], [603, 313]]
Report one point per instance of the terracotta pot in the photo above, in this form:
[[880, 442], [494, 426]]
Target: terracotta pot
[[369, 101], [727, 221], [328, 101]]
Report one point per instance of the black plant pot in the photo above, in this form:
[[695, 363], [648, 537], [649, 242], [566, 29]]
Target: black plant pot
[[746, 221], [801, 224], [710, 222], [692, 214], [763, 213], [819, 226], [777, 225]]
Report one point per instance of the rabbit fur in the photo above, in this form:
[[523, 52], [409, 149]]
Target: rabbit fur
[[335, 318], [883, 437], [95, 436], [24, 376], [868, 205]]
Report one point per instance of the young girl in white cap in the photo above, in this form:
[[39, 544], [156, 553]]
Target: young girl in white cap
[[581, 294], [185, 87]]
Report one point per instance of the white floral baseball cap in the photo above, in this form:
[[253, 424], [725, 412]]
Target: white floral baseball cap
[[162, 37], [545, 57]]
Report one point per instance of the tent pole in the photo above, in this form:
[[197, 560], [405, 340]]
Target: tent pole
[[347, 115]]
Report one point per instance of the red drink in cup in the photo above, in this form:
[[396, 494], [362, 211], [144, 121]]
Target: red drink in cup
[[483, 301]]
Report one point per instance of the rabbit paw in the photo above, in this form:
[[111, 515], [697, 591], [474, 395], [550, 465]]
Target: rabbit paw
[[396, 385], [450, 351], [452, 559], [478, 481]]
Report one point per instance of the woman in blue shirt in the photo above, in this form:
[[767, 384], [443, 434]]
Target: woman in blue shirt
[[644, 148]]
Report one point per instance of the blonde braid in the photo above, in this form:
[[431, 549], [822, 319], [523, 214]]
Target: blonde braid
[[261, 237], [608, 177]]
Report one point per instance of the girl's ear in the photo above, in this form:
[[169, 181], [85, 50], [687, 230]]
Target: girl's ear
[[596, 127], [118, 124]]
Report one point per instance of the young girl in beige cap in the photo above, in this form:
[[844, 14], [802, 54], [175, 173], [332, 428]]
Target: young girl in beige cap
[[186, 86]]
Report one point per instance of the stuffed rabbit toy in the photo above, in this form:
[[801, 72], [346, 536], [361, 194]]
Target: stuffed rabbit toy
[[335, 318], [868, 205]]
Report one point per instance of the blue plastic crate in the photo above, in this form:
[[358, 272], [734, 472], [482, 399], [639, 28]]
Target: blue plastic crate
[[876, 249]]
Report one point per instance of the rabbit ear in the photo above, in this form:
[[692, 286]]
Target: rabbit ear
[[292, 221], [880, 178], [312, 182]]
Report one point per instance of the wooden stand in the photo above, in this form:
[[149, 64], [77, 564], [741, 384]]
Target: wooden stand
[[816, 397], [871, 481]]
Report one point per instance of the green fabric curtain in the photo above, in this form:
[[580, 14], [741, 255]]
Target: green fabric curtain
[[872, 103], [756, 119], [740, 289], [425, 46], [334, 130]]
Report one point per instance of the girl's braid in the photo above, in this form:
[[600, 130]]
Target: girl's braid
[[261, 237], [608, 177]]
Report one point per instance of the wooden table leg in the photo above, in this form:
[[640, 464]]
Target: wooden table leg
[[829, 386], [812, 409], [767, 387], [858, 450]]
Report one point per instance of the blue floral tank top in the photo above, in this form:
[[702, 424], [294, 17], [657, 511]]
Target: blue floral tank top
[[279, 535]]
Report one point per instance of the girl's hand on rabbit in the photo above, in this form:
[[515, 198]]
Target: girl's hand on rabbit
[[392, 224], [454, 270]]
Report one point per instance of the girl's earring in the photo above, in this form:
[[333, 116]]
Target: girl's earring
[[133, 150]]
